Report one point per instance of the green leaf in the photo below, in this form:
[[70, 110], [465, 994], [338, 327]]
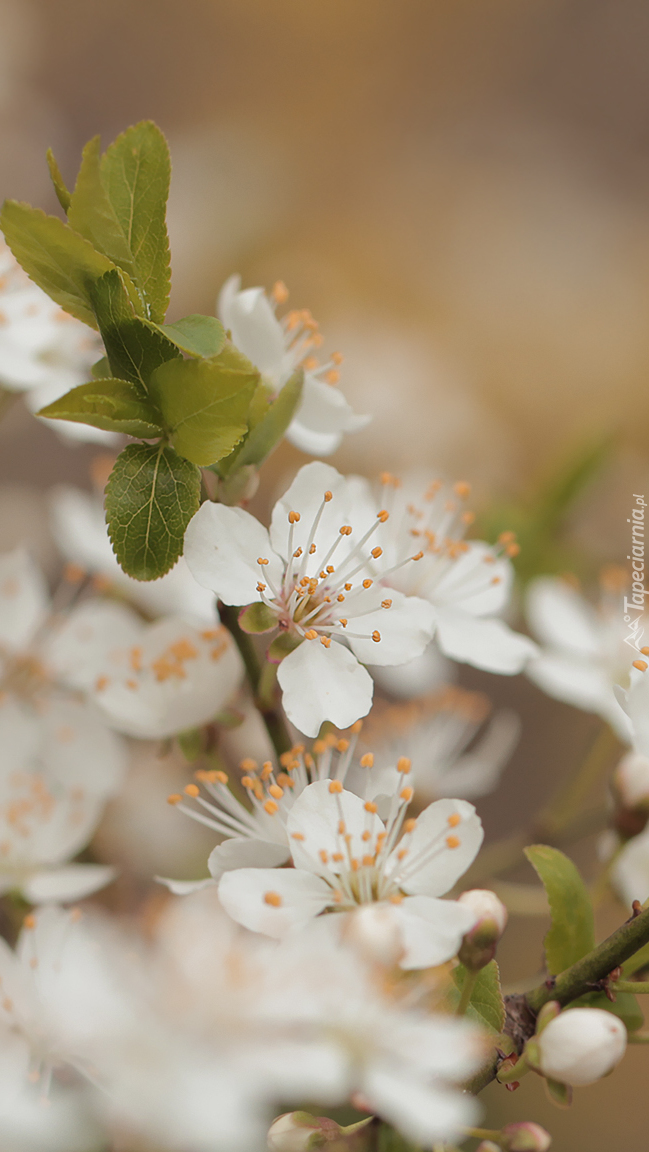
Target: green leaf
[[92, 215], [60, 261], [135, 173], [636, 963], [114, 405], [134, 347], [257, 618], [101, 369], [151, 496], [486, 1006], [62, 194], [205, 403], [572, 933], [269, 430], [196, 335]]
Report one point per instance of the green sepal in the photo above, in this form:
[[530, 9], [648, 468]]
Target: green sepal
[[266, 432], [282, 646], [191, 743], [113, 405], [205, 403], [135, 172], [229, 718], [59, 260], [559, 1094], [257, 618], [196, 335], [486, 1005], [572, 932], [151, 496], [134, 348], [62, 193], [548, 1012]]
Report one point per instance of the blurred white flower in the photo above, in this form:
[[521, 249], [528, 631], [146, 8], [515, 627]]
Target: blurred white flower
[[314, 573], [437, 735], [630, 869], [467, 582], [583, 651], [43, 351], [79, 528], [277, 348], [344, 856]]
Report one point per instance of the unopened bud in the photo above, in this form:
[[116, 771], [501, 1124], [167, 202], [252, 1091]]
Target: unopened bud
[[631, 791], [375, 932], [580, 1046], [479, 945], [488, 1146], [299, 1131], [526, 1137]]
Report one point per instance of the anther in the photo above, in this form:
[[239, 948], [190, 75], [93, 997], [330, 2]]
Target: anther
[[335, 786], [410, 825], [332, 377], [370, 806], [367, 583], [386, 603], [406, 794], [340, 597], [367, 761], [328, 496], [279, 292], [261, 587], [324, 855], [192, 790], [641, 665], [376, 636], [454, 819], [342, 745], [175, 798], [273, 898], [383, 515], [29, 921], [312, 550], [293, 517], [261, 560], [462, 489], [343, 621], [376, 552], [297, 836], [325, 641], [345, 530], [348, 587], [276, 791], [452, 842], [311, 634], [418, 556], [645, 651], [271, 807], [403, 765]]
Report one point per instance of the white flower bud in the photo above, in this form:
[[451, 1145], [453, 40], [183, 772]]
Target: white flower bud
[[631, 780], [479, 945], [526, 1137], [375, 932], [299, 1132], [581, 1045]]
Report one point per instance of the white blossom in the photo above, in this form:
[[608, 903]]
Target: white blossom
[[344, 856], [277, 348], [583, 652], [581, 1045], [44, 352], [467, 582], [311, 573]]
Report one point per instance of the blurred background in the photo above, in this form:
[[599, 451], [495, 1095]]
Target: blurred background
[[459, 191]]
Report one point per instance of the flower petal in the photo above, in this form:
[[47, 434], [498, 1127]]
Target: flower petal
[[432, 930], [255, 329], [485, 643], [405, 630], [440, 849], [475, 582], [312, 827], [24, 602], [240, 852], [561, 618], [222, 546], [324, 684], [305, 496], [573, 680], [423, 1114], [73, 882], [186, 887], [273, 901]]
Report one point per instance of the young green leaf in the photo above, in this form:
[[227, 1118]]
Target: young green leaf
[[572, 933], [92, 215], [196, 335], [267, 432], [486, 1006], [134, 347], [205, 403], [60, 261], [151, 496], [62, 194], [114, 405], [135, 173]]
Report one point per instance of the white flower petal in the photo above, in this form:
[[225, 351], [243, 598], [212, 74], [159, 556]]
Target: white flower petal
[[77, 648], [562, 619], [246, 853], [186, 887], [422, 1113], [630, 872], [435, 839], [432, 930], [321, 684], [24, 601], [305, 496], [475, 582], [255, 329], [575, 681], [485, 643], [405, 630], [222, 546], [312, 827], [296, 898], [73, 882]]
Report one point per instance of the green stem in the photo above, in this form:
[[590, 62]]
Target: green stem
[[638, 1038], [580, 977], [465, 995], [638, 987], [270, 712], [492, 1134]]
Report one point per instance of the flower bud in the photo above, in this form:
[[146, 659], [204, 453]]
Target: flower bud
[[631, 791], [299, 1131], [488, 1146], [479, 945], [581, 1045], [375, 932], [526, 1137]]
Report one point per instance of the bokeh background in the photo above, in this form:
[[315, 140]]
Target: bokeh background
[[459, 191]]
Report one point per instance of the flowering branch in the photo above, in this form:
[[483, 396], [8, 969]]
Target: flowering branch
[[269, 712]]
